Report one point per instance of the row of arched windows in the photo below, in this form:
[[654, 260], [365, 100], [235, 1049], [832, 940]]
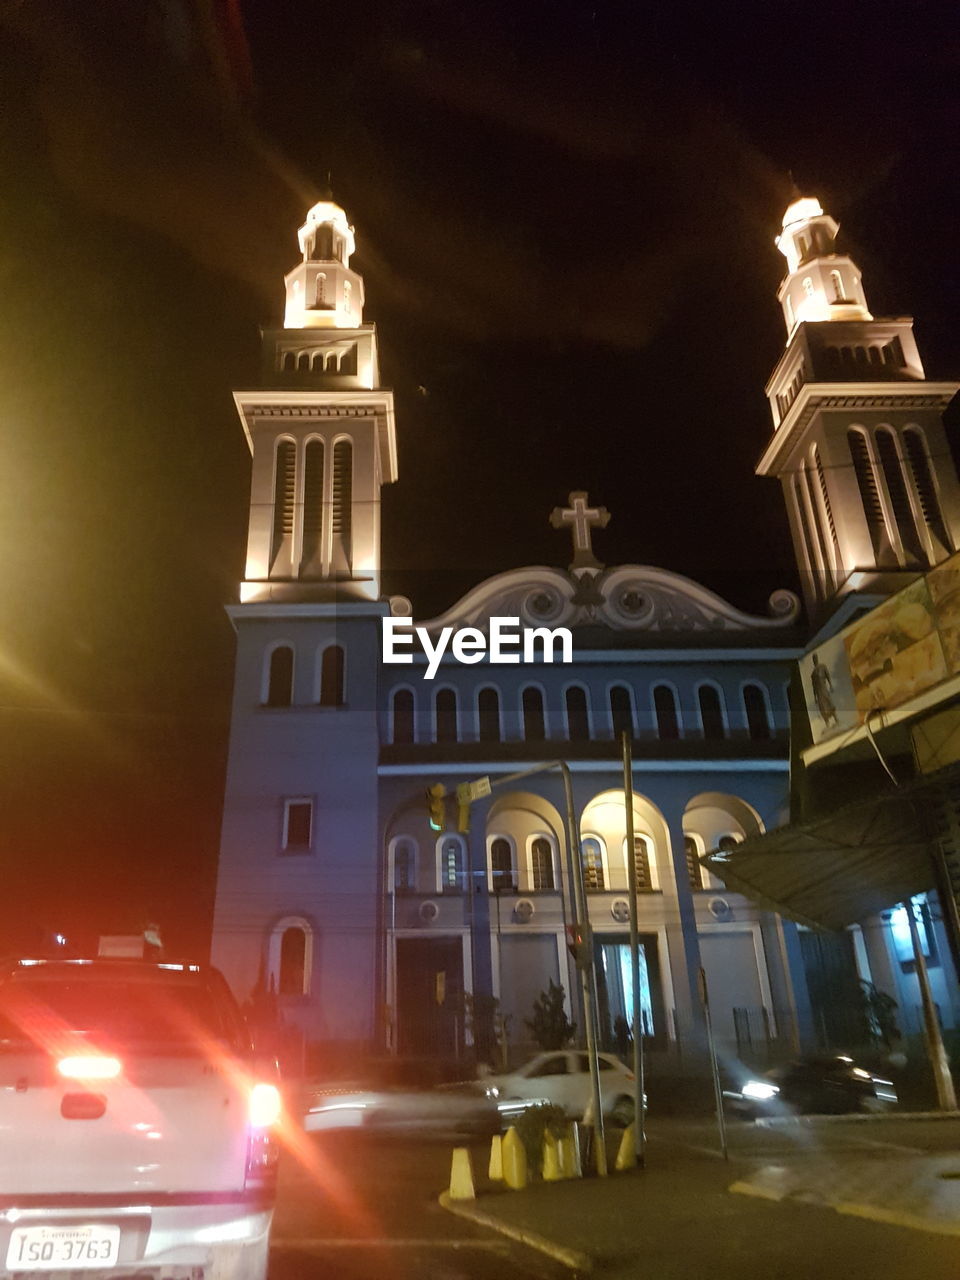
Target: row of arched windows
[[898, 495], [312, 461], [535, 868], [579, 723], [898, 464], [328, 691]]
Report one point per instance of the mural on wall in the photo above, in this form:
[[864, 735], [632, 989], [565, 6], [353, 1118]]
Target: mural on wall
[[907, 645]]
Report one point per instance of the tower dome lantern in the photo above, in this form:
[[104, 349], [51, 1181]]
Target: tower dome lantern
[[821, 284], [322, 290]]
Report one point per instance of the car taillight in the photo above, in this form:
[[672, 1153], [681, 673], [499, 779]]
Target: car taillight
[[265, 1105], [89, 1066], [263, 1148]]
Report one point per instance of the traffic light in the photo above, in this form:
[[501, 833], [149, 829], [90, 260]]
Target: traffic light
[[580, 943], [436, 806]]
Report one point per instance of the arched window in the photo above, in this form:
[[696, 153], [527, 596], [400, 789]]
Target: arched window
[[755, 707], [331, 676], [711, 713], [502, 876], [451, 862], [284, 487], [293, 956], [924, 483], [343, 493], [899, 498], [445, 705], [808, 288], [578, 718], [642, 862], [826, 505], [665, 710], [403, 717], [694, 866], [836, 279], [488, 714], [290, 957], [869, 491], [280, 682], [534, 725], [591, 851], [289, 362], [303, 362], [541, 864], [323, 242], [404, 866], [726, 843], [312, 500], [621, 711]]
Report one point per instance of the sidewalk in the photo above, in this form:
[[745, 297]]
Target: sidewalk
[[688, 1213]]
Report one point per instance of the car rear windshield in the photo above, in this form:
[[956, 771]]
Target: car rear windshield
[[49, 1012]]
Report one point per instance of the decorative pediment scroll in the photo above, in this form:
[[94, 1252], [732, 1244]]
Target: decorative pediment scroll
[[624, 598]]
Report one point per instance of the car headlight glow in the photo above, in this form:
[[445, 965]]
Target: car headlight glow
[[761, 1090]]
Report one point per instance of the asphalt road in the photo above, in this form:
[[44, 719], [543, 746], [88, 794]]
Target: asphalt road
[[361, 1208]]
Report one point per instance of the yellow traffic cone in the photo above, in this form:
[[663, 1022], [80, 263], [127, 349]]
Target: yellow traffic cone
[[461, 1176], [627, 1154], [551, 1159], [495, 1170], [514, 1160], [570, 1153]]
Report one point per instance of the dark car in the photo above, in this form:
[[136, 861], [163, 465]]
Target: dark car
[[826, 1084]]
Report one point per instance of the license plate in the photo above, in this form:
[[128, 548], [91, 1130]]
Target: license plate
[[48, 1248]]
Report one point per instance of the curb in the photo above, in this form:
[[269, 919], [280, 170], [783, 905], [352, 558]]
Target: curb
[[571, 1258], [851, 1209], [854, 1117]]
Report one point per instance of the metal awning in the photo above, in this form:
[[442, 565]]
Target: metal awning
[[840, 868]]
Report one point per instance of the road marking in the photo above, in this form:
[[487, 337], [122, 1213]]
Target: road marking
[[889, 1146], [323, 1242]]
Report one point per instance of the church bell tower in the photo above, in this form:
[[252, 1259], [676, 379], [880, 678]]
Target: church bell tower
[[297, 906], [859, 444], [321, 431]]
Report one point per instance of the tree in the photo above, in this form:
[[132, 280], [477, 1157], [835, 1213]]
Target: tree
[[551, 1027]]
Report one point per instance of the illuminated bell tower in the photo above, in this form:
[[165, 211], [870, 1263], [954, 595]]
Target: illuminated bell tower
[[858, 445], [321, 431]]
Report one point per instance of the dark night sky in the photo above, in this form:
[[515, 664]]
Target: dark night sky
[[565, 215]]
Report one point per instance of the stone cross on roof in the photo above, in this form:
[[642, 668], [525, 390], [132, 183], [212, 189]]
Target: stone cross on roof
[[582, 518]]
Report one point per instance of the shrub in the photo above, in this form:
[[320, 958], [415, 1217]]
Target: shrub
[[533, 1124], [551, 1027]]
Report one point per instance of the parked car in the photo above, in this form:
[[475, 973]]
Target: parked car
[[562, 1078], [139, 1131], [827, 1084]]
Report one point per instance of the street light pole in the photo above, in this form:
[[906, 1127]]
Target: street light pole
[[638, 1065], [588, 976], [946, 1095]]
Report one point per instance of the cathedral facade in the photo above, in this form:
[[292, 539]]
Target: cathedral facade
[[397, 860]]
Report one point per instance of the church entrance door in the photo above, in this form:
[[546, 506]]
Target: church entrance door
[[430, 997]]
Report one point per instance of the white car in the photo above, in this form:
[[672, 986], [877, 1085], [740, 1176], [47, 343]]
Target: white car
[[138, 1129], [562, 1077]]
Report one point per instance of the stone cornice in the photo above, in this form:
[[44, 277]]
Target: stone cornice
[[838, 395]]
